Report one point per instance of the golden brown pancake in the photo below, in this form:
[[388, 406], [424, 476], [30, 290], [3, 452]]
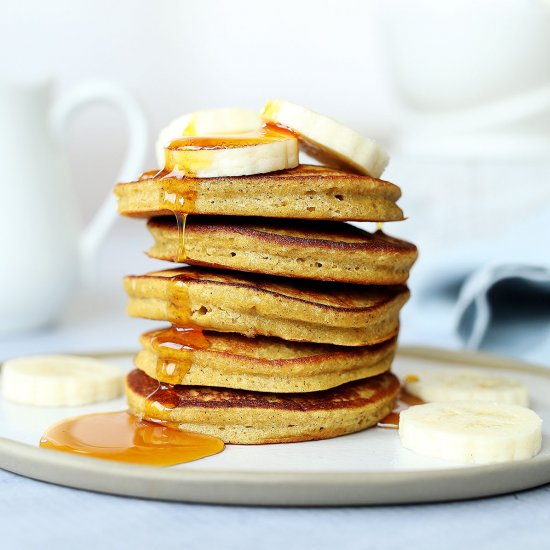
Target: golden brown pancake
[[291, 309], [326, 251], [228, 360], [240, 416], [308, 192]]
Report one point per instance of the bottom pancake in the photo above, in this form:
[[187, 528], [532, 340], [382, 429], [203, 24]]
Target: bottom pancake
[[247, 417]]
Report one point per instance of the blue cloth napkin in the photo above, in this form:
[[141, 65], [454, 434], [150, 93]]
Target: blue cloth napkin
[[497, 291]]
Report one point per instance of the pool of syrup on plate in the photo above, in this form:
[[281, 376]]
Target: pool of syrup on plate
[[122, 437]]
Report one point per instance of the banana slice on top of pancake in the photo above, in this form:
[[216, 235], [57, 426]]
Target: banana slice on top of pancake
[[208, 122], [326, 140], [232, 155]]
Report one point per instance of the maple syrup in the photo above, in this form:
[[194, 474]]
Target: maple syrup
[[179, 199], [409, 399], [177, 297], [181, 220], [404, 401], [150, 174], [275, 127], [179, 305], [162, 397], [268, 133], [174, 347], [390, 421], [176, 198], [123, 437]]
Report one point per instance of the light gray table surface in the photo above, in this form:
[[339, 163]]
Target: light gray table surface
[[37, 515]]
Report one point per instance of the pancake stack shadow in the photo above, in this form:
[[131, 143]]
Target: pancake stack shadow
[[284, 322]]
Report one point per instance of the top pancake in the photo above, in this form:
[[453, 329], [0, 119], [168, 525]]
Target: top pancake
[[306, 192]]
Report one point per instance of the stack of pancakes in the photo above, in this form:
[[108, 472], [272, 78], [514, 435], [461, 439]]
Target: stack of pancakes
[[284, 322]]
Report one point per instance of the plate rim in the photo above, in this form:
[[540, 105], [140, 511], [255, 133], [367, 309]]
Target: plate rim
[[275, 488]]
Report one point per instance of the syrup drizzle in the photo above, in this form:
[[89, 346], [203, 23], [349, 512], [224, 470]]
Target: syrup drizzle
[[177, 296], [281, 129], [266, 134], [162, 397], [404, 401], [123, 437], [174, 349], [181, 220], [178, 196], [179, 305]]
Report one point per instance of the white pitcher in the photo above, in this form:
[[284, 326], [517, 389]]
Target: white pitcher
[[43, 252]]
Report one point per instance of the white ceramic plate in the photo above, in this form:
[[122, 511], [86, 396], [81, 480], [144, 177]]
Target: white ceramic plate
[[370, 467]]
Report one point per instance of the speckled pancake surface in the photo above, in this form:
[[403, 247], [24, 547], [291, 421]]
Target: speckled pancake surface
[[328, 251], [239, 416], [307, 192], [291, 309], [228, 360]]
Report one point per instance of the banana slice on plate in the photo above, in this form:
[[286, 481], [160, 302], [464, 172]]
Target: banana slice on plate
[[257, 152], [60, 380], [209, 122], [475, 433], [466, 385], [326, 140]]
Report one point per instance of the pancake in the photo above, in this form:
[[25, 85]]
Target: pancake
[[291, 309], [309, 192], [239, 416], [326, 250], [227, 360]]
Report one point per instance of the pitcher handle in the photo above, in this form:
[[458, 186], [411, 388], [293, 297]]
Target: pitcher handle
[[138, 138]]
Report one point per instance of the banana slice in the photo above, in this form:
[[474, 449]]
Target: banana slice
[[236, 155], [477, 433], [60, 380], [466, 385], [328, 141], [203, 123]]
